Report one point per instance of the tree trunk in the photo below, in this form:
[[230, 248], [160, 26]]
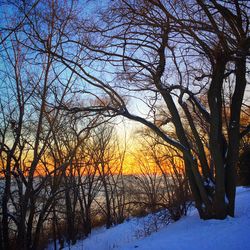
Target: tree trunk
[[5, 199], [216, 137], [234, 133]]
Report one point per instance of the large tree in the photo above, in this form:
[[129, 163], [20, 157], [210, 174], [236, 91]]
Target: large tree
[[185, 59], [190, 57]]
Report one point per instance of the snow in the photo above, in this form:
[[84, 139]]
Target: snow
[[114, 238], [201, 107], [208, 183], [193, 233], [189, 233]]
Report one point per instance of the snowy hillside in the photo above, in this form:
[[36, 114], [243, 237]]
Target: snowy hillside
[[188, 233]]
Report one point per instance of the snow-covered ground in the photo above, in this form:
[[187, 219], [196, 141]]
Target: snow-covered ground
[[188, 233]]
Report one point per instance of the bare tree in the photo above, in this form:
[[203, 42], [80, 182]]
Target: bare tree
[[34, 86], [161, 180], [178, 54], [107, 158], [187, 62], [89, 185]]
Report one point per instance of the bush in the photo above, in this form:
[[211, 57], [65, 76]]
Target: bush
[[152, 223]]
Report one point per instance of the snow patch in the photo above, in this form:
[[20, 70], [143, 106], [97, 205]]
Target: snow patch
[[189, 233]]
